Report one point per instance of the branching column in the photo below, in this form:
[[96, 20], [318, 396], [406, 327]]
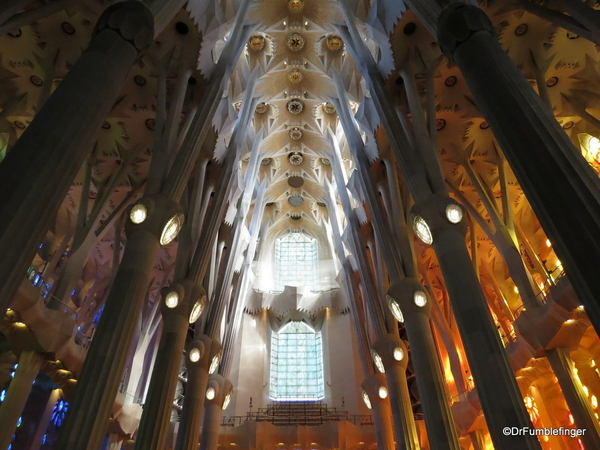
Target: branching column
[[501, 400], [438, 418], [85, 424], [182, 304], [392, 352], [39, 170], [374, 391], [536, 147], [218, 394], [153, 221], [200, 356], [439, 221], [411, 299]]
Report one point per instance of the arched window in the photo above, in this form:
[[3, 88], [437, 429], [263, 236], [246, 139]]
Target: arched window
[[296, 261], [296, 364]]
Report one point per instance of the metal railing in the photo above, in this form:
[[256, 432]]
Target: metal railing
[[235, 421], [51, 301], [540, 297]]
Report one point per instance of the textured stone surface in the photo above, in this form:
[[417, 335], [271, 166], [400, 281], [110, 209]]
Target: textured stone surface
[[132, 20], [457, 23]]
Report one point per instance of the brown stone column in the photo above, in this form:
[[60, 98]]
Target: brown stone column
[[200, 355], [16, 396], [182, 304], [218, 392], [583, 414], [414, 305], [393, 355], [439, 221], [151, 223], [374, 390]]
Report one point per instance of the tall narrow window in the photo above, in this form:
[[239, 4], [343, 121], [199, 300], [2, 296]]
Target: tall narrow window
[[296, 364], [296, 261]]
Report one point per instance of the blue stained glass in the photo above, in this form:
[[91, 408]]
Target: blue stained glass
[[44, 439], [59, 412], [2, 395], [98, 315]]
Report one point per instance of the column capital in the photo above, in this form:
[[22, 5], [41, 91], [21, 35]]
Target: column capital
[[392, 351], [457, 23], [374, 389], [132, 20], [218, 390], [407, 297], [435, 214], [202, 352], [157, 214], [183, 297]]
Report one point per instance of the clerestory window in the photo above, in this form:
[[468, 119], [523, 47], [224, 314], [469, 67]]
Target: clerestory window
[[296, 364], [296, 261]]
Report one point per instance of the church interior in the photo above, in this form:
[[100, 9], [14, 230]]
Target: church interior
[[299, 225]]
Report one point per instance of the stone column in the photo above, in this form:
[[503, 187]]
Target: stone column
[[37, 173], [439, 221], [218, 394], [579, 405], [182, 304], [17, 393], [152, 222], [390, 351], [36, 441], [200, 355], [374, 392], [412, 301], [538, 150]]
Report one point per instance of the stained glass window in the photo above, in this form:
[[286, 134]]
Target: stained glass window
[[296, 364], [296, 261], [59, 412]]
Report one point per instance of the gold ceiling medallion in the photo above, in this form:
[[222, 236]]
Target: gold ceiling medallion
[[295, 75], [329, 108], [295, 106], [334, 43], [266, 161], [261, 108], [325, 162], [295, 158], [295, 6], [237, 106], [296, 133], [256, 42], [295, 42]]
